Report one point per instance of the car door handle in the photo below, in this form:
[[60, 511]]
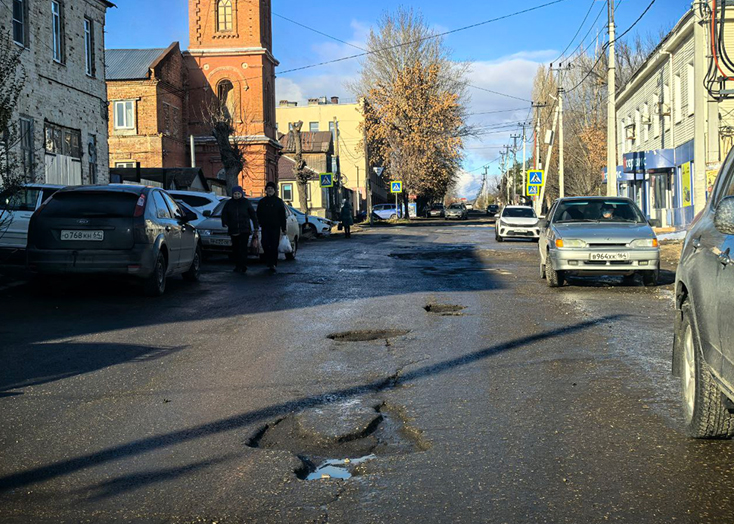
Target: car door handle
[[724, 258], [696, 243]]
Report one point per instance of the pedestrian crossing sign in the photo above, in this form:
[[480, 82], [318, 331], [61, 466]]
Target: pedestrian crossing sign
[[396, 187], [536, 177], [326, 179], [533, 190]]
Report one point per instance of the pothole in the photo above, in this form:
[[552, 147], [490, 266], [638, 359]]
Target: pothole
[[335, 441], [444, 309], [368, 335], [456, 253]]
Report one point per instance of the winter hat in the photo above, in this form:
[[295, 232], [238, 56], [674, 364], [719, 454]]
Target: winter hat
[[271, 184], [238, 189]]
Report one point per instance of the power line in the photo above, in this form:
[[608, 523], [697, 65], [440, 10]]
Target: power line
[[577, 31], [319, 32]]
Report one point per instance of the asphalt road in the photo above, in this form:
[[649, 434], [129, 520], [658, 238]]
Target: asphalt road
[[506, 402]]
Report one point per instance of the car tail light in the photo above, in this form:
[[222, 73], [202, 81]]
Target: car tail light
[[140, 206]]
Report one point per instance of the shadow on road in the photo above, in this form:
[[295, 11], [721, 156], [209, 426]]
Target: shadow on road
[[242, 420]]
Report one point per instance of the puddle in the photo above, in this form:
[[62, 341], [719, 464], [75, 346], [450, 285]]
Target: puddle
[[367, 336], [334, 468], [444, 309]]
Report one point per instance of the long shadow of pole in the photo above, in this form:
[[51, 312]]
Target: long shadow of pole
[[140, 446]]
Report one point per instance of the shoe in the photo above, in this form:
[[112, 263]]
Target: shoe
[[272, 269]]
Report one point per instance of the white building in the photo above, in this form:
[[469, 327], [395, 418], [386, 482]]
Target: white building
[[62, 110]]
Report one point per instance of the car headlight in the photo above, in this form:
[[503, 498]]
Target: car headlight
[[644, 242], [205, 232], [570, 242]]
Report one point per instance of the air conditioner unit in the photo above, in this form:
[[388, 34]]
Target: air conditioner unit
[[663, 109], [646, 120], [629, 132]]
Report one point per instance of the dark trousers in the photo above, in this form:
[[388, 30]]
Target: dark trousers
[[271, 239], [347, 231], [239, 248]]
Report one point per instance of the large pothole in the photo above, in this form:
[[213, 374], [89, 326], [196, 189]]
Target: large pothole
[[367, 335], [338, 440], [444, 309]]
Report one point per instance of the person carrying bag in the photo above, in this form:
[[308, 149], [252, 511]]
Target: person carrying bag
[[272, 218]]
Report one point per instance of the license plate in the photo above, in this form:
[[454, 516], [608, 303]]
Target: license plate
[[609, 256], [220, 242], [96, 236]]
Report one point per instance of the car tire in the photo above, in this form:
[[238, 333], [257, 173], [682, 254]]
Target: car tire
[[393, 217], [194, 272], [292, 255], [309, 231], [554, 278], [155, 284], [651, 278], [498, 238], [706, 414], [542, 271]]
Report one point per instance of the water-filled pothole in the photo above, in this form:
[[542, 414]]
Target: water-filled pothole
[[332, 468], [444, 309], [367, 335]]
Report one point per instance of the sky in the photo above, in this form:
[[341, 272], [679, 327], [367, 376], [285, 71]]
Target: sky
[[503, 55]]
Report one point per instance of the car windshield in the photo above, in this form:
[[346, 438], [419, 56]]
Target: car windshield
[[455, 206], [519, 212], [437, 206], [598, 210]]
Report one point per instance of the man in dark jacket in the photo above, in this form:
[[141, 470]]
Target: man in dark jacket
[[271, 214], [236, 217]]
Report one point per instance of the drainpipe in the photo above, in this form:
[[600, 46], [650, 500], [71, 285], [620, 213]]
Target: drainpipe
[[672, 120]]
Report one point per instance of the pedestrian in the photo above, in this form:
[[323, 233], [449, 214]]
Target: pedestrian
[[239, 217], [271, 214], [347, 216]]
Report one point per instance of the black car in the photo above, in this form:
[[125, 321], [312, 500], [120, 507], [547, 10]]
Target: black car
[[436, 210], [493, 210], [127, 230]]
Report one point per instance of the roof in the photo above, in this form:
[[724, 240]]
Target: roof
[[311, 142], [130, 64], [285, 168]]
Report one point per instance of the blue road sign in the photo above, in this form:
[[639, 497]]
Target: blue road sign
[[533, 190], [396, 187], [326, 179], [535, 177]]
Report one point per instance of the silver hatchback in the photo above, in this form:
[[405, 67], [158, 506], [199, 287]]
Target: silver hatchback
[[597, 236]]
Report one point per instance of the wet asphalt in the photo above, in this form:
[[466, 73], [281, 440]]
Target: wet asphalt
[[215, 403]]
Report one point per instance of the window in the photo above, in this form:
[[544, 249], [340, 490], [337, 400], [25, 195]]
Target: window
[[173, 206], [224, 15], [656, 117], [19, 22], [125, 114], [677, 98], [125, 164], [313, 126], [57, 27], [162, 210], [226, 96], [23, 200], [63, 141], [26, 148], [691, 86], [287, 192], [89, 47]]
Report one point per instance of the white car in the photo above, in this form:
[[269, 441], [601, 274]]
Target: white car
[[16, 211], [200, 200], [517, 222], [316, 226]]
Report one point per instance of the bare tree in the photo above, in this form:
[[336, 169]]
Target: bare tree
[[303, 177]]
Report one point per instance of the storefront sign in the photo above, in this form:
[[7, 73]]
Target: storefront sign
[[634, 162], [660, 159], [685, 178]]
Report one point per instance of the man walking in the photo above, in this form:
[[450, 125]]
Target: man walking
[[239, 217], [271, 214]]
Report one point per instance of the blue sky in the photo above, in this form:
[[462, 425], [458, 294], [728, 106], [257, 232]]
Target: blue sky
[[504, 54]]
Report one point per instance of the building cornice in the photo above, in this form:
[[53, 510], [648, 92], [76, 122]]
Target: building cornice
[[231, 51]]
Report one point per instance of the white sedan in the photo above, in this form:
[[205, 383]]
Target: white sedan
[[517, 222], [316, 226]]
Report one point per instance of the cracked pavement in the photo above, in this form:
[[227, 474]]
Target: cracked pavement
[[517, 403]]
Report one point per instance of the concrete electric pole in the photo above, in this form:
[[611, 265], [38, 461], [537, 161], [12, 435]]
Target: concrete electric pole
[[611, 111], [514, 167], [524, 166]]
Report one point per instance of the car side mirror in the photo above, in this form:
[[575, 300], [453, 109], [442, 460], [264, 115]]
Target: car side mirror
[[724, 217], [655, 222], [208, 213], [543, 223]]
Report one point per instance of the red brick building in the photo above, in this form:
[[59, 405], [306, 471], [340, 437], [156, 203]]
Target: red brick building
[[158, 96]]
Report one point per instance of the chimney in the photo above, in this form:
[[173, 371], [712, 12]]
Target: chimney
[[313, 101], [283, 103], [334, 99]]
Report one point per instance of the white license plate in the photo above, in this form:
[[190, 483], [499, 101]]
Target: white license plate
[[609, 256], [96, 236], [220, 242]]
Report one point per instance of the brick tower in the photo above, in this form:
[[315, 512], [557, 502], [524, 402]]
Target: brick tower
[[230, 56]]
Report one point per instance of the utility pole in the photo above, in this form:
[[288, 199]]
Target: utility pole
[[611, 111], [537, 108], [337, 175], [561, 91], [548, 157], [514, 166], [367, 177], [504, 174]]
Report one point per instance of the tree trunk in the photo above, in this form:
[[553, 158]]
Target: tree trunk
[[231, 157], [302, 177], [406, 206]]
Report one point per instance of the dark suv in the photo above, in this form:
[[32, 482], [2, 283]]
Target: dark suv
[[116, 229], [703, 351]]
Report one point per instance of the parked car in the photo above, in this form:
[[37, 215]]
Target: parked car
[[198, 199], [597, 236], [517, 222], [315, 227], [493, 210], [458, 211], [16, 209], [436, 210], [703, 349], [127, 230], [215, 239], [469, 206], [387, 211], [196, 213]]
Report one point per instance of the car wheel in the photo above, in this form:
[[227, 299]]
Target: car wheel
[[194, 272], [309, 231], [650, 278], [628, 280], [542, 270], [155, 284], [498, 238], [292, 255], [554, 278], [706, 414]]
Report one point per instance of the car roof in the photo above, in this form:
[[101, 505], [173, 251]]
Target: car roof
[[518, 207], [601, 198], [196, 193], [111, 188]]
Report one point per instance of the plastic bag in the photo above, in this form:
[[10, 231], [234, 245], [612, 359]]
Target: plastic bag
[[255, 244], [285, 245]]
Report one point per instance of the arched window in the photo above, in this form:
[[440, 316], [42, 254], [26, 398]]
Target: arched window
[[224, 15], [225, 94]]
